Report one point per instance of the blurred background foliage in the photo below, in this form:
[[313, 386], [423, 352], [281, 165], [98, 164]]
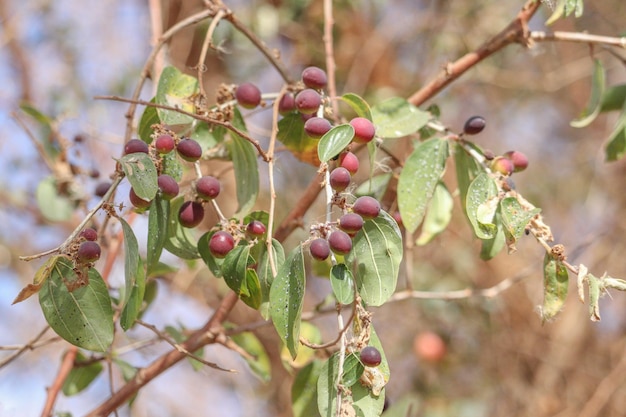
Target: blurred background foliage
[[499, 359]]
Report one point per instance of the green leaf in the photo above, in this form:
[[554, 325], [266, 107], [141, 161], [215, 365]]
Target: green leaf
[[51, 148], [286, 297], [555, 286], [81, 376], [179, 240], [141, 173], [375, 186], [616, 146], [334, 141], [491, 247], [53, 206], [179, 337], [467, 169], [266, 277], [149, 117], [360, 106], [352, 370], [515, 218], [598, 84], [396, 117], [171, 166], [158, 220], [566, 7], [176, 89], [342, 283], [481, 205], [613, 98], [84, 316], [376, 254], [135, 278], [327, 387], [239, 278], [438, 214], [256, 358], [244, 159], [291, 133], [304, 390], [418, 180], [311, 333], [208, 137]]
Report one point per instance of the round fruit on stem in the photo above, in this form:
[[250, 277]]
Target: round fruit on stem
[[349, 161], [502, 165], [221, 243], [88, 251], [339, 179], [189, 150], [190, 214], [367, 207], [287, 104], [364, 130], [208, 188], [316, 127], [429, 346], [340, 242], [102, 188], [256, 228], [248, 95], [89, 234], [164, 144], [474, 125], [350, 223], [319, 249], [314, 77], [308, 101], [138, 201], [520, 161], [135, 146], [370, 356], [168, 186]]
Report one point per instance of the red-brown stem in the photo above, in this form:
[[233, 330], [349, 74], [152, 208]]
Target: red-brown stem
[[55, 388]]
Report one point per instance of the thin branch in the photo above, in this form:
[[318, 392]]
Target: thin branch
[[205, 49], [342, 331], [515, 32], [330, 53], [31, 345], [579, 37], [156, 30], [64, 371]]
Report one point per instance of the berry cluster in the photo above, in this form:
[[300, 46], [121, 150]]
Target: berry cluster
[[223, 241], [88, 250]]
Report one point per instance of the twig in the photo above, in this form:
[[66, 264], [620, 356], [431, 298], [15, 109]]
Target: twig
[[64, 371], [578, 37], [342, 331], [156, 30], [205, 49], [28, 346], [330, 53]]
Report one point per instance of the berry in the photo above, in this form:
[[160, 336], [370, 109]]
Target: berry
[[398, 218], [134, 146], [256, 228], [364, 130], [208, 188], [164, 144], [190, 214], [316, 127], [168, 186], [221, 243], [102, 188], [189, 150], [287, 104], [366, 206], [474, 125], [340, 179], [308, 101], [314, 77], [248, 95], [89, 234], [138, 201], [502, 165], [351, 223], [88, 252], [520, 161], [429, 346], [349, 161], [319, 249], [370, 356], [340, 242]]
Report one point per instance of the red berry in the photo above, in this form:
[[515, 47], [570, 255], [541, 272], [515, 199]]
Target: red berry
[[520, 161], [248, 95], [474, 125], [102, 188], [366, 206], [349, 161], [351, 223], [189, 150], [89, 234], [314, 77], [319, 249], [340, 179], [221, 243], [364, 130], [190, 214], [308, 101], [429, 346], [88, 252], [502, 165], [138, 201], [208, 187], [316, 127], [287, 104], [168, 186], [256, 228], [164, 144], [134, 146], [370, 356], [340, 242]]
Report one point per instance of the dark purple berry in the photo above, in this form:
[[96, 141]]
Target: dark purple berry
[[221, 243], [520, 161], [134, 146], [502, 165], [287, 104], [364, 130], [314, 77], [351, 223], [102, 188], [308, 101], [138, 201], [190, 214], [370, 356], [89, 234], [256, 228], [189, 150], [340, 242], [349, 161], [208, 188], [340, 179], [316, 127], [168, 186], [164, 144], [367, 207], [88, 251], [248, 95], [319, 249], [474, 125]]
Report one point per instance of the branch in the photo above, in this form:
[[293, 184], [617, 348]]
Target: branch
[[579, 37], [515, 32], [53, 391]]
